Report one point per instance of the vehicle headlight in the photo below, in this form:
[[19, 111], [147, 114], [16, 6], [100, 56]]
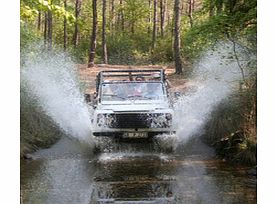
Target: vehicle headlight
[[104, 120], [161, 120], [109, 120], [101, 121]]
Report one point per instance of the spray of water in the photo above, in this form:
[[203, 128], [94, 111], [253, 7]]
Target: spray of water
[[216, 75], [50, 79]]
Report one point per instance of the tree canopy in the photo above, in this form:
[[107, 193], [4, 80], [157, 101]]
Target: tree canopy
[[129, 27]]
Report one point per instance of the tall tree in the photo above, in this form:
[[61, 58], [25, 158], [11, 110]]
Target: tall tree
[[112, 17], [162, 13], [78, 4], [93, 36], [50, 27], [104, 43], [150, 16], [177, 23], [121, 14], [190, 9], [154, 33], [39, 20], [45, 27], [219, 6], [211, 8], [64, 28]]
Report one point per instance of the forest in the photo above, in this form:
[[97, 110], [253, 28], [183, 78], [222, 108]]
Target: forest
[[155, 32], [137, 31]]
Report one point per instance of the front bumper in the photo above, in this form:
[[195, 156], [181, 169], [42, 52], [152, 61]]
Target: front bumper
[[117, 124], [121, 134]]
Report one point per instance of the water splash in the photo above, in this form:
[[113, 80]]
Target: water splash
[[50, 79], [216, 75]]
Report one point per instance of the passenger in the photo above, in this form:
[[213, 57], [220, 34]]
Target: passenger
[[140, 78], [134, 89], [138, 89]]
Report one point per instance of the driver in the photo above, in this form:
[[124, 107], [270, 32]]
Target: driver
[[117, 90], [134, 89], [151, 92]]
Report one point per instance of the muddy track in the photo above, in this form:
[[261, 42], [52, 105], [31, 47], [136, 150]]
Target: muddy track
[[134, 173]]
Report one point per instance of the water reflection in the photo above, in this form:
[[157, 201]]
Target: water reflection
[[129, 176], [133, 177]]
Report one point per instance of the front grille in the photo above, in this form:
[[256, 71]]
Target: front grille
[[128, 120], [135, 120]]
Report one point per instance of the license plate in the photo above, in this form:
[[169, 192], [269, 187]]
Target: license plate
[[135, 135]]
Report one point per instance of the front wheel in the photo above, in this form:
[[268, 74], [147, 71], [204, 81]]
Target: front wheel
[[166, 142]]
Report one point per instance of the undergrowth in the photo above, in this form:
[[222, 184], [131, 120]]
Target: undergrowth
[[232, 128]]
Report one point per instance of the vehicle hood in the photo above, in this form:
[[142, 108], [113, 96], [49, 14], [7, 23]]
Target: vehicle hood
[[133, 106]]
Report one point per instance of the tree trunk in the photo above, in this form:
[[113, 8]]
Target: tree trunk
[[177, 23], [104, 45], [45, 28], [190, 5], [112, 17], [50, 28], [132, 27], [211, 9], [150, 17], [121, 15], [78, 4], [219, 6], [154, 25], [64, 28], [162, 12], [230, 5], [39, 20], [168, 15], [93, 36]]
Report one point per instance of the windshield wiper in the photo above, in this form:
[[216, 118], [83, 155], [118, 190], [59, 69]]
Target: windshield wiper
[[139, 96], [114, 95]]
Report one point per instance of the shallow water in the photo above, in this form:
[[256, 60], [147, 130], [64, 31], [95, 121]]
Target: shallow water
[[70, 172]]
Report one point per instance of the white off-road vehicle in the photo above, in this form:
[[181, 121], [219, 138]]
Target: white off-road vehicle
[[132, 104]]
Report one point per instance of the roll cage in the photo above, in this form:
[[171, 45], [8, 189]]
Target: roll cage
[[129, 76]]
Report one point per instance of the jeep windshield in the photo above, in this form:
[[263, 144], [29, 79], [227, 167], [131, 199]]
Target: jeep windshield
[[124, 91]]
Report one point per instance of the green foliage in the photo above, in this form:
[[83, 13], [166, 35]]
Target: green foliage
[[135, 49], [28, 36], [120, 49], [29, 10], [81, 52], [28, 13], [163, 51], [217, 20], [135, 13], [235, 21], [232, 127], [204, 35], [36, 129]]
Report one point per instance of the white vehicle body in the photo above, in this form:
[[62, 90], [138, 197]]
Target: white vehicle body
[[143, 112]]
